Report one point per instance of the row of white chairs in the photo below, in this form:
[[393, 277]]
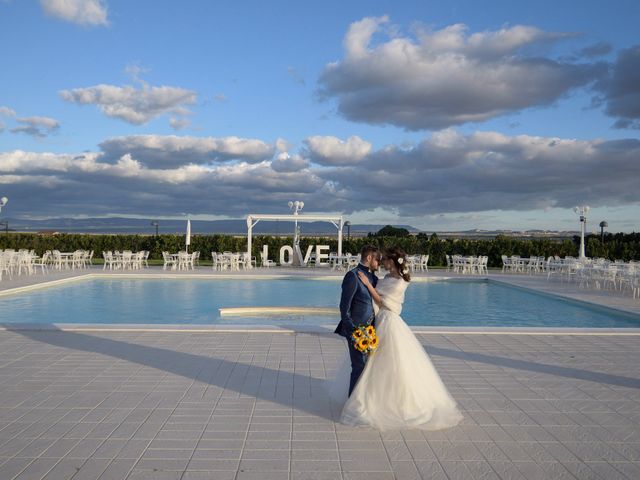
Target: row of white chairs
[[517, 264], [234, 261], [414, 262], [598, 274], [181, 260], [418, 263], [26, 261], [468, 264], [69, 260], [20, 262], [125, 260]]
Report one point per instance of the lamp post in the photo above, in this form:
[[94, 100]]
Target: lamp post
[[155, 223], [582, 211], [297, 254], [348, 225], [3, 202], [603, 225], [296, 207]]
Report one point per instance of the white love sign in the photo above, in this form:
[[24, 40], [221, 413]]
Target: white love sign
[[287, 254]]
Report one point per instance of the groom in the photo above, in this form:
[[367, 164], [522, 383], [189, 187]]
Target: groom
[[356, 307]]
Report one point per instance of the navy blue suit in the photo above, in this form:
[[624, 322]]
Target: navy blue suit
[[356, 308]]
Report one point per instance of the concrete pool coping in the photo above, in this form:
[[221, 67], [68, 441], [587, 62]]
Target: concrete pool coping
[[310, 329]]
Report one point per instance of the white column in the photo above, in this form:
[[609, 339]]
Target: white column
[[581, 255], [249, 234], [341, 225]]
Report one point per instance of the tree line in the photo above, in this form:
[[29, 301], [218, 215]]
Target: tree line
[[622, 246]]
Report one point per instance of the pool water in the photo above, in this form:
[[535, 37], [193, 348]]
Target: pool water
[[196, 301]]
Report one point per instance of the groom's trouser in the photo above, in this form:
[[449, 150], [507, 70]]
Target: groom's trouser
[[358, 360]]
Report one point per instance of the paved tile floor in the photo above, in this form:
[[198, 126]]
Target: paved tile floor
[[180, 405]]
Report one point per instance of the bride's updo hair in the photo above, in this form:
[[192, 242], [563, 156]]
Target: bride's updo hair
[[399, 258]]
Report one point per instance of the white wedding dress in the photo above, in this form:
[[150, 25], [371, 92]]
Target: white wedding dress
[[399, 387]]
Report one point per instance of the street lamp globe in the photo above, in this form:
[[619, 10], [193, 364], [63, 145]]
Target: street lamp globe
[[582, 211], [3, 201]]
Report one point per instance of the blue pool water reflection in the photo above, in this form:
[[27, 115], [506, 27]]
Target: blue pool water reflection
[[196, 301]]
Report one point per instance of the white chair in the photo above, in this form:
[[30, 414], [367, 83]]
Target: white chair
[[234, 261], [352, 261], [169, 261], [507, 264], [424, 263], [77, 259], [246, 261], [42, 262], [4, 265], [185, 261], [57, 259], [266, 262], [137, 260], [88, 259], [456, 263], [127, 259], [483, 265]]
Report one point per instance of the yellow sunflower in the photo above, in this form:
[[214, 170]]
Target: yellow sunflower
[[357, 334], [370, 330], [374, 343], [363, 344]]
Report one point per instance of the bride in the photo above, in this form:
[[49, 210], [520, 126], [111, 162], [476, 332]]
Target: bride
[[399, 387]]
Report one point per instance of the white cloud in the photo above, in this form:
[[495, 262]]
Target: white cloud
[[484, 171], [447, 173], [38, 127], [82, 12], [25, 162], [447, 77], [7, 112], [134, 105], [179, 123], [171, 150], [289, 163], [328, 150]]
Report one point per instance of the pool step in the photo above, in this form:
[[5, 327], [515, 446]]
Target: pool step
[[262, 311]]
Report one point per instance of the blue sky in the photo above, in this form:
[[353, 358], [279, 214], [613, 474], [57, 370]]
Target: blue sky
[[442, 114]]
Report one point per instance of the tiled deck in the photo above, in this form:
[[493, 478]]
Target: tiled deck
[[115, 405], [251, 405]]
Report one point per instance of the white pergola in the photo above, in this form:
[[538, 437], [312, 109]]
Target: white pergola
[[252, 221]]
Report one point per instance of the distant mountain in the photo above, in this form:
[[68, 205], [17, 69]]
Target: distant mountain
[[136, 225], [239, 227]]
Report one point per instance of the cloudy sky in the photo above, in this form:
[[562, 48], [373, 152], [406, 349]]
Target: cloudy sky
[[445, 115]]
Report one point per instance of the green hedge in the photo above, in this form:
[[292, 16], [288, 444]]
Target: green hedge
[[615, 246]]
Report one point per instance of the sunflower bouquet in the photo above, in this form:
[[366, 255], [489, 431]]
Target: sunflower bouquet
[[365, 339]]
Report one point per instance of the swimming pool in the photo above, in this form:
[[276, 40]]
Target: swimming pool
[[480, 303]]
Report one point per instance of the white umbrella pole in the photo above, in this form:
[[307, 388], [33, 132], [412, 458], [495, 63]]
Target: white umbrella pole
[[188, 239]]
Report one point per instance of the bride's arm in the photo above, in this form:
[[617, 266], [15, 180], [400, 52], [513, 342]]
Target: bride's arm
[[374, 294]]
